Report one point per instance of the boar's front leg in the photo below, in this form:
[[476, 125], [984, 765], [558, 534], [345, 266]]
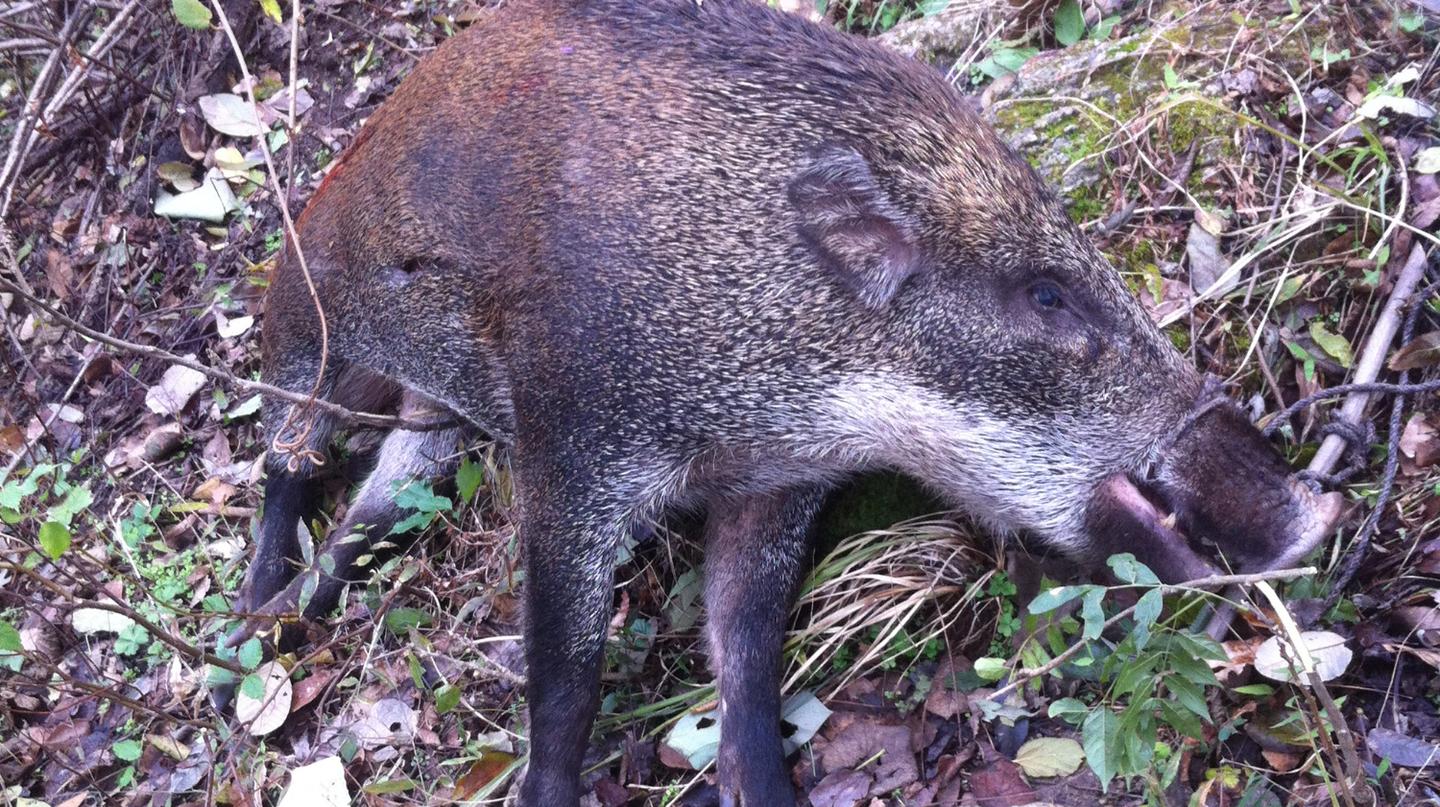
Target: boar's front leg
[[571, 523], [756, 549], [405, 457]]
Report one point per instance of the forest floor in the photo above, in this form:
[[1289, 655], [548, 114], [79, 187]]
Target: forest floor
[[1263, 172]]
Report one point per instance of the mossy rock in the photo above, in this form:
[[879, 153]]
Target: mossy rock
[[1065, 108]]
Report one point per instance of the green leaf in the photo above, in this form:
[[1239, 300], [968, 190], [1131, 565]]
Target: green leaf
[[1130, 570], [1181, 720], [272, 10], [12, 492], [1137, 677], [128, 750], [1069, 23], [1103, 28], [54, 539], [1053, 598], [1303, 356], [991, 669], [251, 653], [1147, 610], [10, 647], [1333, 343], [1005, 60], [417, 672], [1193, 667], [1067, 709], [191, 13], [244, 408], [1137, 733], [417, 496], [1098, 736], [468, 479], [1092, 614], [399, 621], [1258, 690], [447, 698], [1189, 695], [76, 499], [253, 686]]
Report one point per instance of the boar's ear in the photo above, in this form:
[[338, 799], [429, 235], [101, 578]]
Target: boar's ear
[[853, 226]]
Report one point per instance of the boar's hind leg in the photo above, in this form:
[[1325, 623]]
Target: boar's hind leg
[[756, 550], [404, 456]]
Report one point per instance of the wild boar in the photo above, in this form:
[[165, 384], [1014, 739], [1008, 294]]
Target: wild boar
[[706, 254]]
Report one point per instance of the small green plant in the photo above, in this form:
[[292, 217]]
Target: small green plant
[[423, 504], [1153, 678], [1007, 622], [46, 497]]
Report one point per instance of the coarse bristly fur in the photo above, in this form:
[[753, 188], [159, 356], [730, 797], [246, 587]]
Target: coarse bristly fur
[[673, 252]]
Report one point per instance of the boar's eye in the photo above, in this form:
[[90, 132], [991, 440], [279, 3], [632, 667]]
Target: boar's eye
[[1047, 296]]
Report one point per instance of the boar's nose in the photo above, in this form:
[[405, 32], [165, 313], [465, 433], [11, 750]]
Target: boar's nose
[[1228, 484], [1317, 515]]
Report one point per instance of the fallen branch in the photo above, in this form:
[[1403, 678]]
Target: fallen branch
[[1372, 360]]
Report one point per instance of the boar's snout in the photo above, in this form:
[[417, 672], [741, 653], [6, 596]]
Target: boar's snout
[[1227, 484]]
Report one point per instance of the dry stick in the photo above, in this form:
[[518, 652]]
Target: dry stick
[[293, 446], [106, 40], [150, 351], [1350, 768], [1021, 677], [32, 108], [1372, 359]]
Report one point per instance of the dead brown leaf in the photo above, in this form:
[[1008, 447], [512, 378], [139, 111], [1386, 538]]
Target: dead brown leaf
[[866, 738], [1420, 442], [1422, 351], [843, 788], [481, 773], [1000, 784]]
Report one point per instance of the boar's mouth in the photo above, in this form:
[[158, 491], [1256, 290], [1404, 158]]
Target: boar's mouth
[[1128, 515]]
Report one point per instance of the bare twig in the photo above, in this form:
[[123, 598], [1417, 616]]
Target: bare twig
[[296, 446], [150, 351], [25, 136], [31, 110]]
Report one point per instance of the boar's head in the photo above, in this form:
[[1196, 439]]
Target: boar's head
[[1019, 375]]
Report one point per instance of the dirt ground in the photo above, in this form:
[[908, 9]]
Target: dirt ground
[[1263, 173]]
